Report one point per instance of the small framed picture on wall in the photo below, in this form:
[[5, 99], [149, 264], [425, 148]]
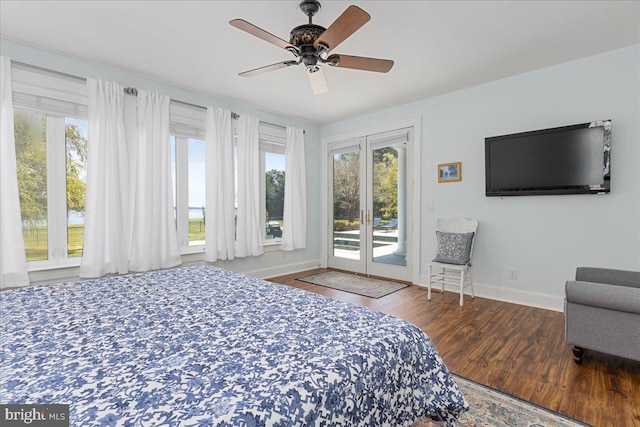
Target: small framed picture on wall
[[449, 172]]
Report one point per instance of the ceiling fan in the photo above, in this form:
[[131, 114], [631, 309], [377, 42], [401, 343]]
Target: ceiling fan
[[311, 45]]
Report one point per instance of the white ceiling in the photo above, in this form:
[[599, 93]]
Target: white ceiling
[[437, 46]]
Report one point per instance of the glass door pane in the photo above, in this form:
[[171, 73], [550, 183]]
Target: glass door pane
[[388, 206], [347, 212]]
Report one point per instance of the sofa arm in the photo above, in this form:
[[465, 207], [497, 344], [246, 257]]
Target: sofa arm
[[608, 275], [612, 297]]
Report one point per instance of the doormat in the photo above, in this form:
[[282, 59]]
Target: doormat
[[361, 285], [491, 407]]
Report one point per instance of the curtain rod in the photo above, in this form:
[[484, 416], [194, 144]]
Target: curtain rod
[[134, 91], [235, 116], [128, 90], [47, 70]]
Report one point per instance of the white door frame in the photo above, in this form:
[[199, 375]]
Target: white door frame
[[415, 226]]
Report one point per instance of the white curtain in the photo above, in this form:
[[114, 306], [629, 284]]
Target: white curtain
[[294, 232], [107, 215], [154, 242], [13, 262], [249, 233], [219, 192]]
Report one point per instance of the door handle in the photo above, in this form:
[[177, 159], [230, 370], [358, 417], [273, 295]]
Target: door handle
[[361, 216], [368, 217]]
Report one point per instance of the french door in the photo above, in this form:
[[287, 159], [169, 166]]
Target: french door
[[369, 211]]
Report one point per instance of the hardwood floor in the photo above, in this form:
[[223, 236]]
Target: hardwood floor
[[517, 349]]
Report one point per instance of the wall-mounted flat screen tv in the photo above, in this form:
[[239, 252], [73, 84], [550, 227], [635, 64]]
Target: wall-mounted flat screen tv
[[564, 160]]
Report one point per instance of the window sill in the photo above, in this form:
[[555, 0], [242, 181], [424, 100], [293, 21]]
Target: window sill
[[34, 266], [195, 249], [272, 247]]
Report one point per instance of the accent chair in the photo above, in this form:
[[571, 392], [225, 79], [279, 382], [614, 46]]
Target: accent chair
[[602, 312]]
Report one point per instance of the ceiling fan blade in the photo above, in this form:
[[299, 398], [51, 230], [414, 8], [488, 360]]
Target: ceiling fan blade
[[259, 32], [348, 23], [317, 80], [267, 68], [360, 63]]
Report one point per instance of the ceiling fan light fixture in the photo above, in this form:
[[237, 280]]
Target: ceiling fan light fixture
[[317, 80], [311, 45]]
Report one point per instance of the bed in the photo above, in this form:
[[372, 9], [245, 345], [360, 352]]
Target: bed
[[202, 346]]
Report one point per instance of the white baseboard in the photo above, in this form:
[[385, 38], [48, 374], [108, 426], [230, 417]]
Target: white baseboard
[[281, 270], [515, 296]]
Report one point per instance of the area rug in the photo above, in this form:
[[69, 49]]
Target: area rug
[[361, 285], [493, 408]]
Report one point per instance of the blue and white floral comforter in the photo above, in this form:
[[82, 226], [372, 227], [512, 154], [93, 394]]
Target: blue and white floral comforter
[[201, 346]]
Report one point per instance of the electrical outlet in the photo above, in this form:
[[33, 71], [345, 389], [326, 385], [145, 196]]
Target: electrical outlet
[[513, 273]]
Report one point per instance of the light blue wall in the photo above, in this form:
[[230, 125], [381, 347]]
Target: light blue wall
[[544, 237], [265, 265]]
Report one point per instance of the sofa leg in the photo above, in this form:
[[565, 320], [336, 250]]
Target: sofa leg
[[577, 354]]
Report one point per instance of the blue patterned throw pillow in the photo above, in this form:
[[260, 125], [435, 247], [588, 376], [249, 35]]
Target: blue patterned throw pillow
[[454, 248]]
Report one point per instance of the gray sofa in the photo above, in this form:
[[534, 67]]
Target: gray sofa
[[602, 312]]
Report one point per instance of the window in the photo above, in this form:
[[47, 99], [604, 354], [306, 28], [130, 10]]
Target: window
[[272, 144], [188, 144], [51, 165], [51, 133], [50, 130], [272, 140], [273, 174], [187, 157]]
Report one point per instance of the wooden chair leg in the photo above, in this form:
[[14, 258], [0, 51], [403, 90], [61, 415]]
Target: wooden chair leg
[[461, 288], [442, 271], [430, 273], [578, 352], [473, 295]]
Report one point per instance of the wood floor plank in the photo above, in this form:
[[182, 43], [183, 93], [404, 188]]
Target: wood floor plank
[[517, 349]]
